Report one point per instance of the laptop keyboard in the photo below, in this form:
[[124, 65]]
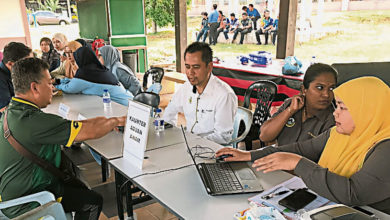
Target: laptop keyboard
[[223, 177]]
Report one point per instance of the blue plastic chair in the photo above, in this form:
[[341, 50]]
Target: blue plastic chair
[[246, 116], [48, 209]]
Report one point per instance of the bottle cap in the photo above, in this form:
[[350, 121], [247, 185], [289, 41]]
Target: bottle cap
[[106, 90], [158, 110]]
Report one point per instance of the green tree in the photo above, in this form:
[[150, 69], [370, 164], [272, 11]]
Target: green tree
[[49, 5], [160, 13]]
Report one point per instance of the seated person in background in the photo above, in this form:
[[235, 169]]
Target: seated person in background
[[90, 68], [246, 27], [93, 79], [59, 42], [13, 52], [266, 25], [254, 15], [349, 163], [51, 56], [233, 25], [68, 68], [109, 56], [223, 27], [43, 134], [306, 115], [209, 104], [274, 30], [204, 28]]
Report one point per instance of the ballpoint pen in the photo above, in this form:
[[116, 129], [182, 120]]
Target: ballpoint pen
[[264, 196], [272, 195]]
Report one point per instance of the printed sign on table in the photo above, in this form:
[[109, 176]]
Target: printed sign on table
[[136, 133]]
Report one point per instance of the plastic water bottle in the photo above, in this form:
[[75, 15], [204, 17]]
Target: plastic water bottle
[[158, 121], [106, 99], [313, 60]]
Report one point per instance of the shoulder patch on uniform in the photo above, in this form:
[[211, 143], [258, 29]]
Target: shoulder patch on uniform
[[290, 122], [76, 124]]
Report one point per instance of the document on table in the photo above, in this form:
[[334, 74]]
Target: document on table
[[289, 185]]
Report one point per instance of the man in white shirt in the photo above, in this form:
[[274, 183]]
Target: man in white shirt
[[209, 104]]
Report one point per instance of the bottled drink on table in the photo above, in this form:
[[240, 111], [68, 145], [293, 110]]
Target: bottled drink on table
[[313, 60], [106, 99], [158, 121]]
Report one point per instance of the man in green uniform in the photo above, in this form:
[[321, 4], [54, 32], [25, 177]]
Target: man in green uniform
[[43, 134]]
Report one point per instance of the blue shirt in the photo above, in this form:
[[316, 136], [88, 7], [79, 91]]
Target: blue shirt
[[265, 23], [233, 23], [253, 13], [276, 24], [6, 86], [213, 17]]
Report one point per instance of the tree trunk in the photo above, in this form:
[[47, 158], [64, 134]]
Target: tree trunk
[[154, 27]]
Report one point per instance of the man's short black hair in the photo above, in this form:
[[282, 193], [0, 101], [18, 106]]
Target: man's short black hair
[[207, 52], [26, 71], [244, 8], [251, 5], [215, 6], [244, 13], [232, 14], [204, 13], [15, 51]]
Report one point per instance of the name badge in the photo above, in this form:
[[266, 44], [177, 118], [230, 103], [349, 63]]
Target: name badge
[[63, 110]]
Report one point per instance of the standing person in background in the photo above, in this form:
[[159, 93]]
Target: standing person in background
[[109, 56], [51, 56], [254, 15], [274, 30], [246, 27], [204, 28], [13, 52], [265, 27], [59, 42], [223, 27], [213, 21]]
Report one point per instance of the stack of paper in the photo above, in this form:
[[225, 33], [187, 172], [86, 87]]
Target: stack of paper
[[289, 185]]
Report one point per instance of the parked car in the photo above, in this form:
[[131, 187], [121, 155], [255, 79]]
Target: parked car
[[48, 17]]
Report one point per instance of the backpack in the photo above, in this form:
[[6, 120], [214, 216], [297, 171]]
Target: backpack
[[292, 66], [96, 44]]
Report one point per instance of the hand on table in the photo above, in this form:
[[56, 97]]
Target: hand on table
[[277, 161], [238, 155]]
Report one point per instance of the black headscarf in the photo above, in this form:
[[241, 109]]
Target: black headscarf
[[91, 69], [52, 58]]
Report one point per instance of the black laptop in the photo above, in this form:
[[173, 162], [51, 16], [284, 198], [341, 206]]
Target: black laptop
[[226, 177]]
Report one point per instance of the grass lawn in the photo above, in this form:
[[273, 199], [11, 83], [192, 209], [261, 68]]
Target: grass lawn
[[362, 36]]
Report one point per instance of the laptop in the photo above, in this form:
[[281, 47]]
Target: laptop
[[226, 178]]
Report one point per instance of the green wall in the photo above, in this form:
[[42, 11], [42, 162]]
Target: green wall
[[127, 17], [92, 19]]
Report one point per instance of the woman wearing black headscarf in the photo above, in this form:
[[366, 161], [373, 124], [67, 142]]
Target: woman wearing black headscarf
[[90, 68], [51, 56]]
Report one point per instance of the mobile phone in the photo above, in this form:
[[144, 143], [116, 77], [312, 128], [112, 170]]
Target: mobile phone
[[297, 200]]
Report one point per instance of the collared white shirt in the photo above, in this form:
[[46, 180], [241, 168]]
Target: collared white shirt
[[210, 114]]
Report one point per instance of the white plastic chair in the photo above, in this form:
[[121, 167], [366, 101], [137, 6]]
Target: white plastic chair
[[48, 209], [246, 116]]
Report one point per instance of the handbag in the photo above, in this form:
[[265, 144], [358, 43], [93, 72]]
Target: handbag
[[68, 173]]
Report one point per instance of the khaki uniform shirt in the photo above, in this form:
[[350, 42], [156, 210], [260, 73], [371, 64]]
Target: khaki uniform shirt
[[42, 134], [295, 131]]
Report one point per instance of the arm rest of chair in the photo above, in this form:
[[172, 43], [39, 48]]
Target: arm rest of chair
[[41, 197]]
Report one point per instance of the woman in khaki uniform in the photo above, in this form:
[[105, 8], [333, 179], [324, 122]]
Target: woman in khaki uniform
[[353, 156], [306, 115]]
